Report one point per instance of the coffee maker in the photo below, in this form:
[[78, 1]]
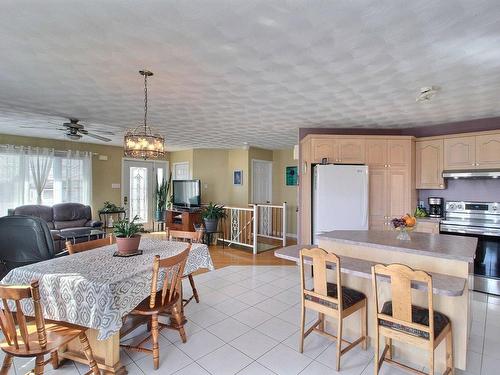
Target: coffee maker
[[436, 207]]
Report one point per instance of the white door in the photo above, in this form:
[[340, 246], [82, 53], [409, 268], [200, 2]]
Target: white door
[[262, 187], [181, 171], [139, 180]]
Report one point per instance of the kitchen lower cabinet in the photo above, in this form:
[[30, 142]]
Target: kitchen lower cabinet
[[425, 226]]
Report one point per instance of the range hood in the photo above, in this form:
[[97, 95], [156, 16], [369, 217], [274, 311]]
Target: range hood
[[472, 173]]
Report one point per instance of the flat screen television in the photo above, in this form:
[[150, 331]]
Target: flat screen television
[[186, 193]]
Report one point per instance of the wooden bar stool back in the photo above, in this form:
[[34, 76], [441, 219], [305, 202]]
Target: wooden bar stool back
[[399, 319], [89, 245], [330, 299], [191, 237], [28, 337], [162, 300]]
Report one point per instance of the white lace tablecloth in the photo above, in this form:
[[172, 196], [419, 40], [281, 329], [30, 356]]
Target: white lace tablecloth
[[94, 289]]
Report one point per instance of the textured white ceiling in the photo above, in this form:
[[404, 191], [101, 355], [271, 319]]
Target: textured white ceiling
[[234, 71]]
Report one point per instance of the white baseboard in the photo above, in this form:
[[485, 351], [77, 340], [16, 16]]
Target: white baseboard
[[291, 235]]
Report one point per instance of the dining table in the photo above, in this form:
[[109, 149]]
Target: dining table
[[97, 289]]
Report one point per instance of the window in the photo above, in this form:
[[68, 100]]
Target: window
[[66, 176]]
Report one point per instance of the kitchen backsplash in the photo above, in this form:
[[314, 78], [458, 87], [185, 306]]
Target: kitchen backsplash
[[481, 190]]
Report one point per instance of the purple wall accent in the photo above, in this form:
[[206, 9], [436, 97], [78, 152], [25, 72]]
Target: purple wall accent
[[480, 190], [492, 123]]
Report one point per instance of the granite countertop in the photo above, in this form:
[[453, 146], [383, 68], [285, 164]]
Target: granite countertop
[[442, 284], [434, 245]]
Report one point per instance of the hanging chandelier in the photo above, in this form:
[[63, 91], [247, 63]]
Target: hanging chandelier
[[142, 142]]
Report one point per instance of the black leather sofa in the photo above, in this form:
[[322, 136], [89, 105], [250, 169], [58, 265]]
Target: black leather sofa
[[25, 240], [61, 218]]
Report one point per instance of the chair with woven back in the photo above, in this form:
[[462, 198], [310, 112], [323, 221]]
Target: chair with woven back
[[330, 299], [401, 320], [191, 237], [89, 245], [161, 300], [35, 337]]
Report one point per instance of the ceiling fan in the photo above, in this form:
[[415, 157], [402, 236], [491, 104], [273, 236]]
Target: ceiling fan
[[73, 130]]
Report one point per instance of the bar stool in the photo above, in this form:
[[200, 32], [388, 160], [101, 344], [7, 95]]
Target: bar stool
[[330, 299], [399, 319]]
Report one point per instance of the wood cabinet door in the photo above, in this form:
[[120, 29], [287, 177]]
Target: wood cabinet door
[[427, 227], [323, 148], [398, 183], [399, 152], [460, 153], [376, 152], [378, 196], [350, 151], [488, 151], [429, 164]]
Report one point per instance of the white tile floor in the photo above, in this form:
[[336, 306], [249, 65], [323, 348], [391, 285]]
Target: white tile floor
[[248, 323]]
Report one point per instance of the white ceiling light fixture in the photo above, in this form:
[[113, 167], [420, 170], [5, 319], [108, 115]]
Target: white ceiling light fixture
[[142, 142], [427, 93]]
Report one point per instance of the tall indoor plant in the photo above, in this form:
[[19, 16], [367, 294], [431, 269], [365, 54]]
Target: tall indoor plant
[[162, 192], [211, 215], [127, 235]]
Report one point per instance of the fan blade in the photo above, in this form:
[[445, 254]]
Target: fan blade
[[104, 139], [90, 125], [30, 127]]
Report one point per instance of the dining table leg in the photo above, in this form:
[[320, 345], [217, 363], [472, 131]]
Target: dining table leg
[[106, 352]]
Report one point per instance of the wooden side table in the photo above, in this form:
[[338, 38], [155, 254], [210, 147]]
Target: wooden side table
[[107, 218]]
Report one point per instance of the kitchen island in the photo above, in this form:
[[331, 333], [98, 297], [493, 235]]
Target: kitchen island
[[449, 259]]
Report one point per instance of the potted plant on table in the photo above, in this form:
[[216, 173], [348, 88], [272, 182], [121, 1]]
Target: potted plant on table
[[127, 235], [162, 192], [211, 215]]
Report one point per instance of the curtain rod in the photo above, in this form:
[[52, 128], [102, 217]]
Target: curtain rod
[[50, 148]]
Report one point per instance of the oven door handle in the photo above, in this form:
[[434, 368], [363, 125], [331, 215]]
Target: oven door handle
[[457, 229]]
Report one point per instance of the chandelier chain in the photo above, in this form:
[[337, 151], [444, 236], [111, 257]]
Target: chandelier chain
[[145, 101]]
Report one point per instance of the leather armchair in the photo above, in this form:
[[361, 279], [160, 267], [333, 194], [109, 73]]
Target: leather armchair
[[25, 240]]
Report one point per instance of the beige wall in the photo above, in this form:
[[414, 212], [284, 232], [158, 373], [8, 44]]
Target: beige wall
[[238, 194], [104, 173], [180, 157], [281, 192], [210, 166]]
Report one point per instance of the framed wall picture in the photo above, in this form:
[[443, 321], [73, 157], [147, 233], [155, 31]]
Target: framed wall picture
[[291, 176], [238, 177]]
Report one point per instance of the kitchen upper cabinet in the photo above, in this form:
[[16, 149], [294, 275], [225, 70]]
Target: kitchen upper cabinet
[[429, 164], [376, 152], [350, 151], [488, 151], [460, 153], [399, 152], [323, 148]]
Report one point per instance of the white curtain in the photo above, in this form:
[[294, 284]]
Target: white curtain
[[76, 177], [14, 176], [40, 165]]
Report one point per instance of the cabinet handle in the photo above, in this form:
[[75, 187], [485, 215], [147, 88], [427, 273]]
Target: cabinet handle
[[389, 165], [477, 164], [385, 165], [441, 185]]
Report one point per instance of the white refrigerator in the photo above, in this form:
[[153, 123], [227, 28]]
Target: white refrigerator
[[340, 198]]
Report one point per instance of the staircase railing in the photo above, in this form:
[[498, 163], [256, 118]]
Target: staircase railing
[[243, 226]]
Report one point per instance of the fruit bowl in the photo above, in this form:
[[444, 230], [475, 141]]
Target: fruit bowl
[[404, 225]]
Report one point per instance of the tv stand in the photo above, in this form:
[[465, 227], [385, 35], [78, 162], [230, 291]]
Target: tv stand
[[180, 219]]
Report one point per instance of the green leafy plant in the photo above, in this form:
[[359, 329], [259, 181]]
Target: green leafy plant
[[126, 229], [110, 207], [162, 192], [213, 211]]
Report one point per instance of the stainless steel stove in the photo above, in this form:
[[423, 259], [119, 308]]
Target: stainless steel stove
[[480, 220]]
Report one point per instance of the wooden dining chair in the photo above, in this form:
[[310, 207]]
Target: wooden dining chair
[[191, 237], [28, 337], [162, 300], [330, 299], [89, 245], [399, 319]]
